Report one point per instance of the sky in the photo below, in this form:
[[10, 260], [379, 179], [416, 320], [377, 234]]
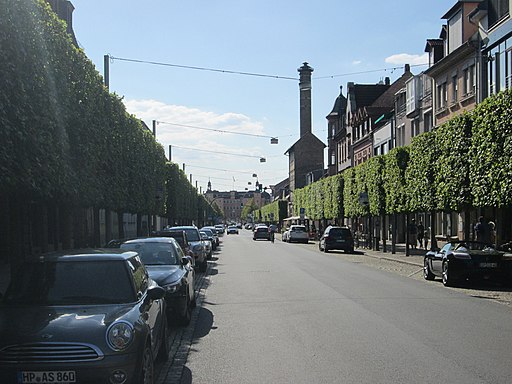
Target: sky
[[220, 76]]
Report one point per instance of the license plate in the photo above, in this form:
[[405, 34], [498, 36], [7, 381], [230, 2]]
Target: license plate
[[340, 241], [46, 377], [488, 265]]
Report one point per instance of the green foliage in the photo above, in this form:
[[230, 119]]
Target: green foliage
[[453, 143], [374, 176], [273, 212], [420, 173], [395, 185], [491, 151], [64, 136]]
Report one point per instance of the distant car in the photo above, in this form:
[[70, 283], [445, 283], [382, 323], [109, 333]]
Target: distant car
[[297, 234], [232, 230], [461, 260], [261, 233], [208, 245], [86, 316], [335, 237], [181, 237], [171, 269], [212, 234], [196, 245], [220, 229]]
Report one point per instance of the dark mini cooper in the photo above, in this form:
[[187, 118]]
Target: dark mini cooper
[[93, 316], [459, 261]]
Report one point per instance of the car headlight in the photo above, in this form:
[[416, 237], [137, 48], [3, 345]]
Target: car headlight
[[171, 288], [119, 335]]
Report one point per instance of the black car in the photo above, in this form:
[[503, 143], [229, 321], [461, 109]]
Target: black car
[[90, 316], [335, 237], [261, 233], [172, 270], [461, 260]]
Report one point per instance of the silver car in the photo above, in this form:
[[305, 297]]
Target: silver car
[[196, 245]]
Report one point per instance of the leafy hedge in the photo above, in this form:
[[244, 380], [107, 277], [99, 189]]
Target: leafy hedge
[[464, 163], [275, 211], [65, 137]]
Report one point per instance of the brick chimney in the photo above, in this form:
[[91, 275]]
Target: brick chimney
[[64, 10], [305, 98]]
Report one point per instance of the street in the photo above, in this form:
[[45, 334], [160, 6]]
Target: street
[[286, 313]]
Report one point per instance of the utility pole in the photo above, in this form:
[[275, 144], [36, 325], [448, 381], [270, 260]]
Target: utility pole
[[170, 152], [154, 128]]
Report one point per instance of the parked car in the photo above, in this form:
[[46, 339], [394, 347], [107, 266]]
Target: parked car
[[181, 237], [232, 230], [220, 229], [87, 316], [296, 233], [212, 234], [172, 270], [335, 237], [196, 245], [458, 261], [261, 233], [208, 246]]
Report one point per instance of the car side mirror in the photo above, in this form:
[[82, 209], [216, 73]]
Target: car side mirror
[[185, 260], [156, 292]]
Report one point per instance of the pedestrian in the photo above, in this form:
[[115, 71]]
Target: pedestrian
[[421, 234], [427, 236], [483, 231], [412, 230], [492, 232]]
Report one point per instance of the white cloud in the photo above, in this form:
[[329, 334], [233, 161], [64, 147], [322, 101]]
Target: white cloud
[[356, 62], [405, 58], [177, 134]]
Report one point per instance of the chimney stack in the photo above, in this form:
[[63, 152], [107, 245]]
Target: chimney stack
[[305, 98]]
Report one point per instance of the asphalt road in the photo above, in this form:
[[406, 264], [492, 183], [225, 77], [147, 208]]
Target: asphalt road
[[286, 313]]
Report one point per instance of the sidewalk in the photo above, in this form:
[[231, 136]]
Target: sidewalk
[[415, 255]]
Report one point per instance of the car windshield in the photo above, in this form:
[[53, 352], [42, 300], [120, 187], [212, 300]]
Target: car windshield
[[473, 246], [153, 253], [71, 283], [339, 233]]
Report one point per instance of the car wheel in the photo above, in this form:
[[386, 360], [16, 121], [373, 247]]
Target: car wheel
[[427, 273], [447, 279], [165, 346], [146, 370]]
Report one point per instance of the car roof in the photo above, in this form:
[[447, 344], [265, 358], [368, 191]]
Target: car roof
[[183, 227], [90, 254], [151, 240]]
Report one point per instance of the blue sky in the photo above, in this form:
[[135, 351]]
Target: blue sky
[[358, 41]]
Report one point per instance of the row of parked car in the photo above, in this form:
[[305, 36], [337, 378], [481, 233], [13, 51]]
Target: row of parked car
[[101, 315]]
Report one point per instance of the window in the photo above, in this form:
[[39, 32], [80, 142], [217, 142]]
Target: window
[[427, 122], [469, 81], [442, 96], [415, 127], [400, 135], [455, 32], [411, 95], [508, 69], [497, 10], [491, 74], [333, 158], [455, 89]]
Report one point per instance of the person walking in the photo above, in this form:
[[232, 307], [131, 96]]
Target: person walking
[[412, 230], [483, 231], [421, 234]]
